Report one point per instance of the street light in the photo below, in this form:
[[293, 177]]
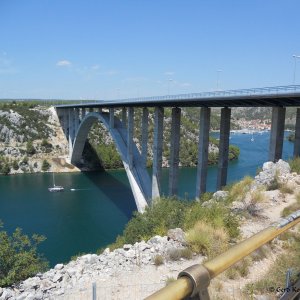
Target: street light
[[295, 66]]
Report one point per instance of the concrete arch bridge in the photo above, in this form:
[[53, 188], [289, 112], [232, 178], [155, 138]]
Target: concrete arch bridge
[[77, 119]]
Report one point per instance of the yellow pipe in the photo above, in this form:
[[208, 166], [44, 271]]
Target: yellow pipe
[[183, 286]]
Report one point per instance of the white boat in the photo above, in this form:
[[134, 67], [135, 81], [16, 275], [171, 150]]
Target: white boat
[[55, 188]]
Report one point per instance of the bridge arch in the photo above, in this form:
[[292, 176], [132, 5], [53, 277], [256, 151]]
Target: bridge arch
[[137, 175]]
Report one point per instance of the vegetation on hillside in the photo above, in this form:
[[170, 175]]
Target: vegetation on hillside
[[102, 144], [168, 213], [19, 258]]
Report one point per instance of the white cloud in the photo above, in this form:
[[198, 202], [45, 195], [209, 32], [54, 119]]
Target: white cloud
[[64, 63]]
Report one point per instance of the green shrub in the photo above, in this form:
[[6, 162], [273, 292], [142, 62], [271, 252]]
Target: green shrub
[[295, 165], [205, 239], [186, 253], [15, 165], [156, 220], [30, 150], [45, 166], [238, 191], [175, 254], [18, 257], [217, 215]]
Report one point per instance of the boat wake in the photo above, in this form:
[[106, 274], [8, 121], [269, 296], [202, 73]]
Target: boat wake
[[74, 190]]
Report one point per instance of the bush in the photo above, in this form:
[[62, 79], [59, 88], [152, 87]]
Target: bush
[[15, 165], [295, 165], [175, 254], [156, 220], [18, 257], [30, 150], [45, 166], [217, 215], [238, 191], [207, 240]]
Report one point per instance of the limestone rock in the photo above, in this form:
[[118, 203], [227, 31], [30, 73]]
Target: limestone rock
[[177, 234], [220, 195]]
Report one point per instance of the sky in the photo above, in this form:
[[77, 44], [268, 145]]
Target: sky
[[111, 49]]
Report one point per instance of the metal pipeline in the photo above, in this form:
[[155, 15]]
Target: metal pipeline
[[196, 278]]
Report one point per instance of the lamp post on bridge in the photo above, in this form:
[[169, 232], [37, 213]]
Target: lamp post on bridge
[[295, 67]]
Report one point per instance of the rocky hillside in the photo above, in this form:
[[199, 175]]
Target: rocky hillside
[[31, 140]]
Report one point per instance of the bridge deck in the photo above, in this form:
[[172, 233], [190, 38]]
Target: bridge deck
[[257, 97]]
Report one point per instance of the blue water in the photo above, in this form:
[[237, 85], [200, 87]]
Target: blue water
[[97, 211]]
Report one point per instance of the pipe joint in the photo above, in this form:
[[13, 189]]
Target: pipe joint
[[200, 278]]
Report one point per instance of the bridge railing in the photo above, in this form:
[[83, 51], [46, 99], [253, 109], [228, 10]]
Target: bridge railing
[[195, 280], [220, 93], [263, 91]]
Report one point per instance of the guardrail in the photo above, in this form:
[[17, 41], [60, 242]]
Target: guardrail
[[227, 93], [275, 90], [194, 281]]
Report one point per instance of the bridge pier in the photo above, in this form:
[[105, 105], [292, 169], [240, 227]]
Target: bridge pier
[[130, 137], [124, 116], [83, 113], [145, 136], [112, 118], [277, 133], [76, 120], [71, 130], [204, 126], [157, 151], [297, 135], [223, 147], [174, 151]]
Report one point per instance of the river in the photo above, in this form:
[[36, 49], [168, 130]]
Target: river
[[92, 215]]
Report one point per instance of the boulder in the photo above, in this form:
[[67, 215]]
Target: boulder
[[220, 195], [270, 170], [176, 234]]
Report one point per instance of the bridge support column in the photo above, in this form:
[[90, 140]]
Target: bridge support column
[[130, 136], [277, 133], [91, 109], [66, 123], [145, 136], [71, 131], [111, 118], [204, 126], [157, 151], [174, 151], [100, 110], [223, 147], [82, 113], [297, 135], [76, 119], [124, 116]]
